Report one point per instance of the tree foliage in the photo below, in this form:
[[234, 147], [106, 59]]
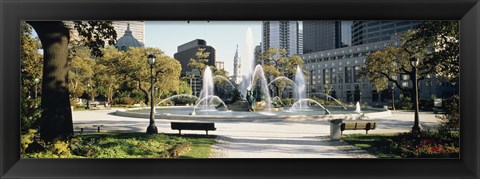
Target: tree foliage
[[31, 69], [275, 62], [436, 46], [385, 65], [443, 37], [200, 62], [135, 71], [31, 60], [95, 35], [81, 72]]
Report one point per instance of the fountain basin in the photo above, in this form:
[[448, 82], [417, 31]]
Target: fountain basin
[[183, 113]]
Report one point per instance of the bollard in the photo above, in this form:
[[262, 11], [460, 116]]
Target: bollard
[[335, 132]]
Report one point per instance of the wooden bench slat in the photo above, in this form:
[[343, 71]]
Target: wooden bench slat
[[358, 126], [193, 126]]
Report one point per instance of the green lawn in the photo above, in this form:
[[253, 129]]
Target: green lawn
[[375, 144], [129, 145], [427, 144]]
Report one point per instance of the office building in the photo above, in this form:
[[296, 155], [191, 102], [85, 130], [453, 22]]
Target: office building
[[280, 34], [364, 32], [325, 35], [337, 71], [188, 51]]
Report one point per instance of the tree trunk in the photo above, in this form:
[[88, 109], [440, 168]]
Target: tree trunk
[[56, 119], [147, 95]]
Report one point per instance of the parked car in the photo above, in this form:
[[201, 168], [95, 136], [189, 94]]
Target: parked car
[[94, 103]]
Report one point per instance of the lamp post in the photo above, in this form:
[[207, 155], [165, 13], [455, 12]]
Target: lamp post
[[88, 96], [416, 126], [36, 84], [393, 96], [151, 129]]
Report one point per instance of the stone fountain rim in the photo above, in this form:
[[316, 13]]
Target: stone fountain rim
[[329, 117]]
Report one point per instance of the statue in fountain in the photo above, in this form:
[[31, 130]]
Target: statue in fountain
[[250, 100]]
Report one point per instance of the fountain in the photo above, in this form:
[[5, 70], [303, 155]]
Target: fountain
[[304, 100], [357, 108], [254, 88], [224, 79], [207, 86], [282, 78], [299, 91], [176, 96]]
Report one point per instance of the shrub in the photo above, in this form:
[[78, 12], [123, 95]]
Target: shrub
[[58, 149], [30, 114], [184, 100], [427, 104], [125, 100], [27, 139], [404, 103], [426, 144], [451, 119]]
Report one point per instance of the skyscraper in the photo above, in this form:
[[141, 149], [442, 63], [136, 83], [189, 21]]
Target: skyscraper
[[364, 32], [187, 51], [280, 34], [325, 35]]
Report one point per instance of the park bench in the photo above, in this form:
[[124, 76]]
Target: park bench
[[193, 126], [357, 126], [83, 129]]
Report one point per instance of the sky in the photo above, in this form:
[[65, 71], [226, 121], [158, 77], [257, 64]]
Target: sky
[[221, 35]]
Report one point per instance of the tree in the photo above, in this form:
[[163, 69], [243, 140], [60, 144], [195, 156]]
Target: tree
[[184, 88], [443, 37], [31, 69], [200, 63], [31, 61], [275, 63], [106, 77], [383, 66], [220, 72], [136, 71], [56, 119], [81, 72]]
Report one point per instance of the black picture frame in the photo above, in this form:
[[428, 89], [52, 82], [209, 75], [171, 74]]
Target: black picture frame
[[12, 12]]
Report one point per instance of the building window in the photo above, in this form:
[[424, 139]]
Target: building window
[[357, 74], [348, 74], [405, 77], [334, 75], [428, 83]]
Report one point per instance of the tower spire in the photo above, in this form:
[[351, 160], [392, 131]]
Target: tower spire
[[236, 53]]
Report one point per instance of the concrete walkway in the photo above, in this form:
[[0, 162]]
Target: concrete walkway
[[263, 139]]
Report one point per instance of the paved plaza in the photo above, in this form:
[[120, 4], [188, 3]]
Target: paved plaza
[[269, 139]]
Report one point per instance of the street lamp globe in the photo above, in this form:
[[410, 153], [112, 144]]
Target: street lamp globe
[[414, 62], [151, 59], [37, 80]]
